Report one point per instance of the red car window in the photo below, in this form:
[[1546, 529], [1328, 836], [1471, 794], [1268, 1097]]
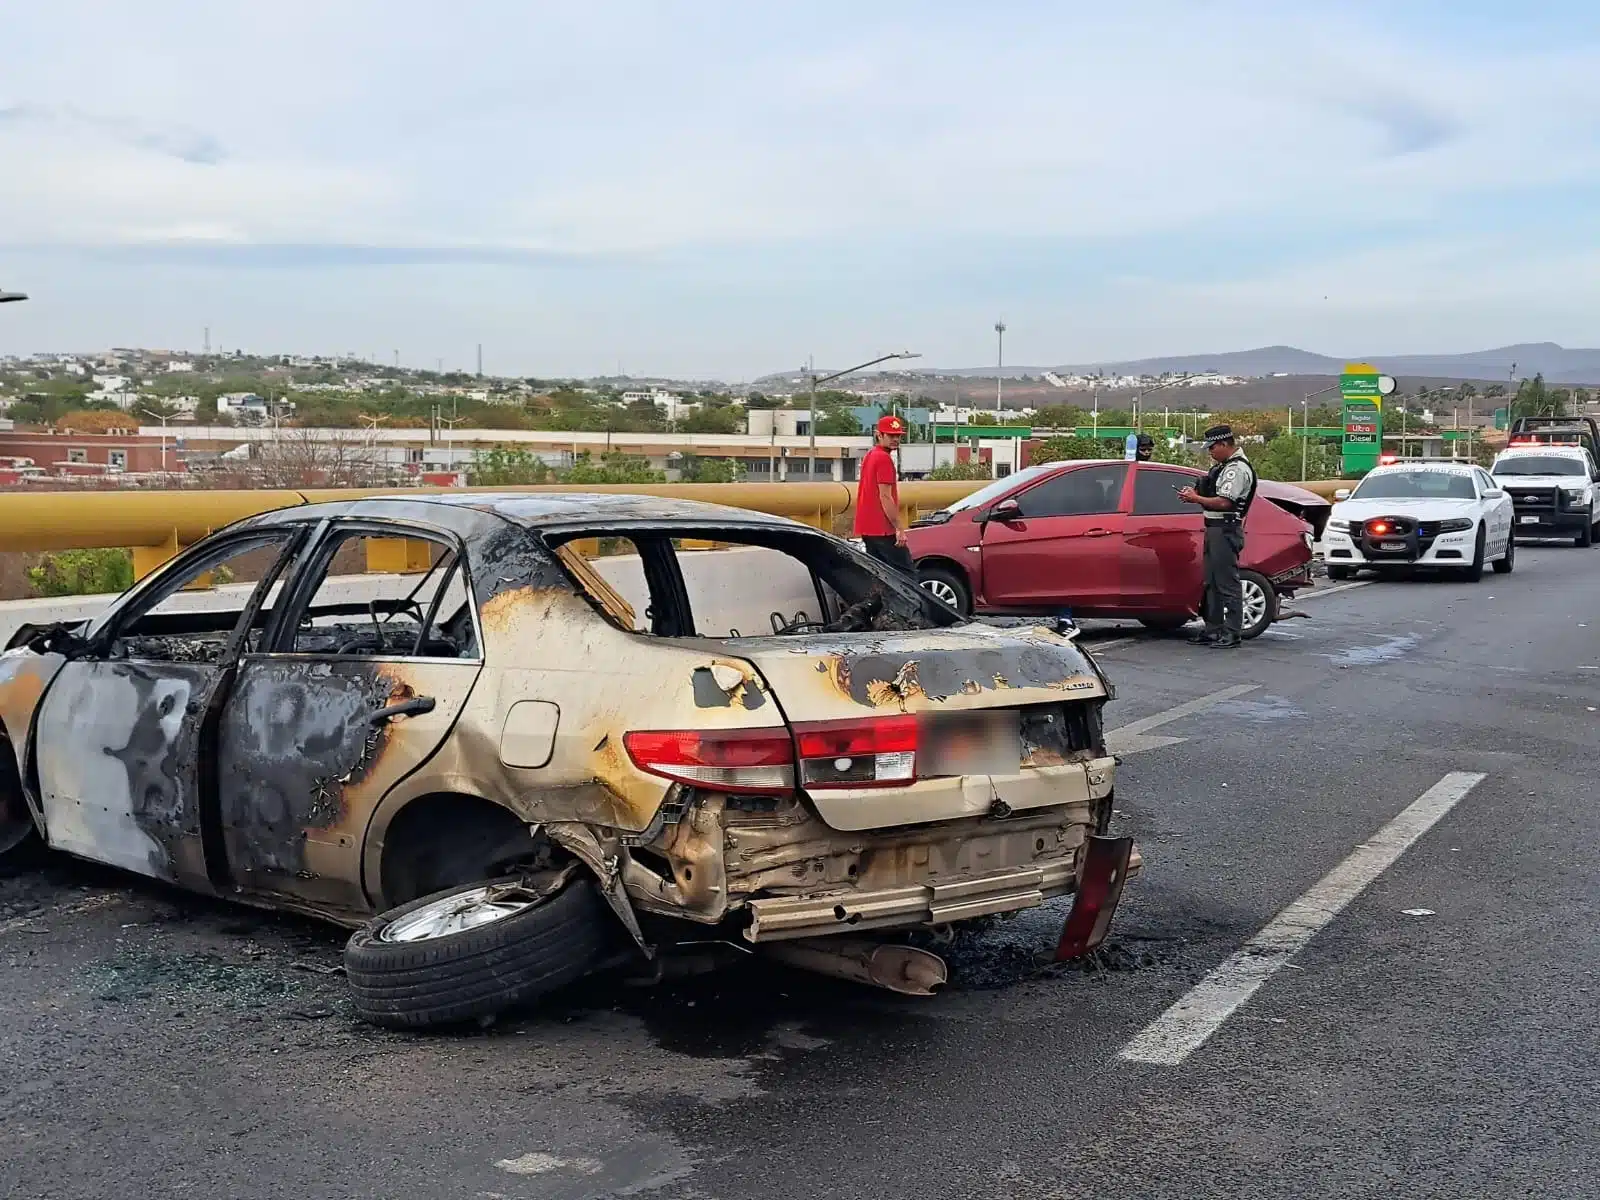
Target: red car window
[[1076, 493], [1155, 492]]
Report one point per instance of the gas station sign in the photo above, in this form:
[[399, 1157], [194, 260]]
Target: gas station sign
[[1362, 390]]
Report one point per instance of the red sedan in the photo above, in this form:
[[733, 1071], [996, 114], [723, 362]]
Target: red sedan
[[1105, 539]]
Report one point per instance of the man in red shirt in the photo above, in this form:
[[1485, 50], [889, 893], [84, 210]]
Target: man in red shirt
[[878, 523]]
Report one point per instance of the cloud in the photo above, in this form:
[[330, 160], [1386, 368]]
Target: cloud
[[798, 174], [185, 144]]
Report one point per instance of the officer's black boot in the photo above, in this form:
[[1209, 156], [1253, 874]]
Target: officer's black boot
[[1206, 637], [1226, 640]]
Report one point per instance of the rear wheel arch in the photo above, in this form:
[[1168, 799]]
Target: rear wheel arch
[[441, 839]]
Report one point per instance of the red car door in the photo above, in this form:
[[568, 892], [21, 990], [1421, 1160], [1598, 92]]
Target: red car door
[[1162, 542], [1063, 547]]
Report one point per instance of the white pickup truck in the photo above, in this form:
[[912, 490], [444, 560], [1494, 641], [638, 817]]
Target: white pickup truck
[[1554, 490]]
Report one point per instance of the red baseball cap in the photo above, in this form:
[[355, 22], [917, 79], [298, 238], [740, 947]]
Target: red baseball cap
[[892, 426]]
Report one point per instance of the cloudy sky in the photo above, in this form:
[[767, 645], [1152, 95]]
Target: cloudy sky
[[720, 188]]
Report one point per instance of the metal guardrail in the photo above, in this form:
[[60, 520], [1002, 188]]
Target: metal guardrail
[[156, 525]]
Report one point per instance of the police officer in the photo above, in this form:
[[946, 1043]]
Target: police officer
[[1225, 495], [1145, 448]]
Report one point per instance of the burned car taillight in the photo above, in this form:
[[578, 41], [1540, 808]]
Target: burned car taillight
[[733, 760]]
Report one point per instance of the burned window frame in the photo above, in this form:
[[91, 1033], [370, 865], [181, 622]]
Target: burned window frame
[[316, 559], [117, 622], [822, 551]]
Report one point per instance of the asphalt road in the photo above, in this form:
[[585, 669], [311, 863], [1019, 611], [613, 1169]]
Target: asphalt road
[[1435, 1037]]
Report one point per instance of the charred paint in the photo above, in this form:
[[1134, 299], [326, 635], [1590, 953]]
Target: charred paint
[[511, 560], [296, 739], [118, 751], [879, 679], [734, 688]]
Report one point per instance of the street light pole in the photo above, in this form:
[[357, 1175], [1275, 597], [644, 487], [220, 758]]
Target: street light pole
[[1306, 424], [163, 420], [811, 459], [999, 365]]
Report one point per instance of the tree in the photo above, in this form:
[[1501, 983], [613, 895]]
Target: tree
[[160, 408], [503, 467], [762, 400], [1532, 400], [1068, 449], [713, 420], [961, 470], [1179, 455], [615, 467], [1060, 416], [28, 412], [983, 419], [838, 424], [710, 470], [1280, 459], [298, 458]]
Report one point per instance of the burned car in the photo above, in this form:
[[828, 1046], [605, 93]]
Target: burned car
[[539, 734]]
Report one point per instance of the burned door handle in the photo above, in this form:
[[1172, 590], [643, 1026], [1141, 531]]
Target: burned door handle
[[405, 708]]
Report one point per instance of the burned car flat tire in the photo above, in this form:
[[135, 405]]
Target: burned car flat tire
[[473, 951]]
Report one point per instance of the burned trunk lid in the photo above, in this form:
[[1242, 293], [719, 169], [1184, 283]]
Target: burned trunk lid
[[824, 677], [973, 668]]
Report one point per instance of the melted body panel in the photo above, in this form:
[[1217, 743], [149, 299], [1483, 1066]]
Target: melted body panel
[[118, 764], [301, 765]]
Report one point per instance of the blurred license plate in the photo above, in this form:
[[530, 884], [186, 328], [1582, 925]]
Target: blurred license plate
[[970, 743], [1530, 520], [1391, 545]]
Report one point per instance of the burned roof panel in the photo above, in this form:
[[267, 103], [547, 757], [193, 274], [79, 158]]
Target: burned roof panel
[[540, 509]]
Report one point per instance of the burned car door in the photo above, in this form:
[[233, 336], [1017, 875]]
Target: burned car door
[[119, 732], [366, 672]]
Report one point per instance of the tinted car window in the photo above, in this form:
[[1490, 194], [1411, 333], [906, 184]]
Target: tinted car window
[[1155, 493], [1416, 485], [1540, 465], [1076, 493]]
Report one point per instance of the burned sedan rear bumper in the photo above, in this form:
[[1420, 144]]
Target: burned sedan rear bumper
[[919, 905]]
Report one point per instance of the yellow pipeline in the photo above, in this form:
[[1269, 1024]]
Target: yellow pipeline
[[164, 521]]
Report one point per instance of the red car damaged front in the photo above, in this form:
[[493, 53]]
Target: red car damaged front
[[1106, 539]]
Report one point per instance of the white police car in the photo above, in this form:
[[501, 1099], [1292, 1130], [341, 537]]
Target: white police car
[[1555, 490], [1449, 515]]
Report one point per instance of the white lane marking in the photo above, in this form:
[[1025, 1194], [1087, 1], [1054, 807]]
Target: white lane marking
[[1096, 647], [1184, 1027], [1334, 591], [1133, 738], [535, 1163]]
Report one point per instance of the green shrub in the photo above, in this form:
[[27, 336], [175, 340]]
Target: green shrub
[[82, 573]]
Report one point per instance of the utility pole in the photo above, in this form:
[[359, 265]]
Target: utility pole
[[208, 341], [999, 365], [480, 360]]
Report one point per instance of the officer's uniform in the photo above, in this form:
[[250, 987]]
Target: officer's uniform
[[1222, 606]]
